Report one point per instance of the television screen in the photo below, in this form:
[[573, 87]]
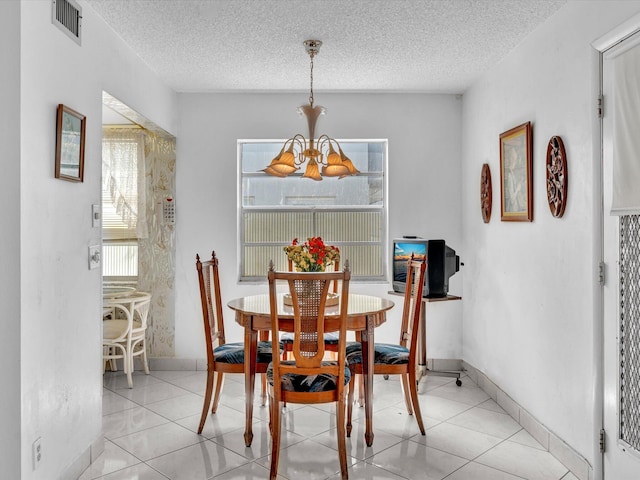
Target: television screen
[[442, 263], [402, 252]]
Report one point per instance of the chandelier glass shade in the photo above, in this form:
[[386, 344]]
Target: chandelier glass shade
[[324, 156]]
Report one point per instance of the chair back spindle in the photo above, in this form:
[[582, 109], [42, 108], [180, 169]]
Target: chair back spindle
[[209, 280], [412, 305]]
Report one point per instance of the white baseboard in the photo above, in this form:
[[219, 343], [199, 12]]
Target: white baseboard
[[566, 455], [85, 459]]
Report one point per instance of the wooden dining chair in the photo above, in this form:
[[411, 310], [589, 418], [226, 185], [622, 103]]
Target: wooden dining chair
[[124, 332], [222, 357], [330, 339], [308, 378], [400, 358]]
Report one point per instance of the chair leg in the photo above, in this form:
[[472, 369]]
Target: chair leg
[[342, 441], [145, 362], [275, 439], [352, 386], [407, 393], [271, 402], [413, 386], [207, 400], [263, 380], [361, 390], [127, 363], [131, 369], [216, 397], [109, 351], [112, 363], [105, 352]]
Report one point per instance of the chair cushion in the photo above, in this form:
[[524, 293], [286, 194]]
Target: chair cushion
[[292, 382], [234, 353], [384, 353], [112, 329], [330, 338]]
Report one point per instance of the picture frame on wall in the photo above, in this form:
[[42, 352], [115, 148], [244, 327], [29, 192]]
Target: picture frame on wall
[[516, 174], [70, 140]]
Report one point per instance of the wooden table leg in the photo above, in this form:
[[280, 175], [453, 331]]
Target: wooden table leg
[[250, 352], [367, 377]]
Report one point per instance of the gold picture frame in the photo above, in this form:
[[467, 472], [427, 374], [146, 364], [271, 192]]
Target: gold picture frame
[[516, 174], [70, 139]]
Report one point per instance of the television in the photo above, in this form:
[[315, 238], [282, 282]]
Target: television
[[442, 264]]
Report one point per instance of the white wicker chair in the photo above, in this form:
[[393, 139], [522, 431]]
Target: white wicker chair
[[123, 334]]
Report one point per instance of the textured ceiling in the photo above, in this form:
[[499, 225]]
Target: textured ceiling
[[368, 45]]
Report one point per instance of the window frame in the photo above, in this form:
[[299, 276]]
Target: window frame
[[383, 209]]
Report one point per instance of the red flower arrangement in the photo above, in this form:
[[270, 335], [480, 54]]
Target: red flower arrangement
[[312, 255]]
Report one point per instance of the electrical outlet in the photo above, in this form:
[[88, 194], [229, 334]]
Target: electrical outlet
[[36, 452]]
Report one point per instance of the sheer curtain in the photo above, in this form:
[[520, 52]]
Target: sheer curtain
[[123, 174]]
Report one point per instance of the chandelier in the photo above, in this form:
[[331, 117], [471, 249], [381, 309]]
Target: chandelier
[[322, 152]]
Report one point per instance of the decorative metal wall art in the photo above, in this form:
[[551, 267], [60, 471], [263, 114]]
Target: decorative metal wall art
[[556, 176], [486, 194]]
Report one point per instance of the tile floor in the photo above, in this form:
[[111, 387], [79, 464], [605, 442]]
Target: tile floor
[[150, 435]]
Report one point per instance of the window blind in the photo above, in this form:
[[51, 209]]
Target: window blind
[[123, 192], [626, 140]]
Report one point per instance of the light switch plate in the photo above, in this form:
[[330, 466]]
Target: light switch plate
[[95, 215], [94, 256]]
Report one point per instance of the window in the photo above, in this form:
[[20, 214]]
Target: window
[[122, 202], [349, 213]]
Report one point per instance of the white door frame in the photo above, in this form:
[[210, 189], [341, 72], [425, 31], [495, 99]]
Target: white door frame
[[601, 45]]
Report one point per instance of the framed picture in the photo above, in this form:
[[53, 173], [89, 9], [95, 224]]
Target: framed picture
[[516, 174], [70, 135]]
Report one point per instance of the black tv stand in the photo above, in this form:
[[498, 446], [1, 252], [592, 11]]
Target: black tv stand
[[423, 369]]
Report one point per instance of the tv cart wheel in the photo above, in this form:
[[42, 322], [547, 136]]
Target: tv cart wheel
[[458, 382]]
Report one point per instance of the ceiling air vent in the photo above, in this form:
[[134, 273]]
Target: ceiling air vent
[[67, 16]]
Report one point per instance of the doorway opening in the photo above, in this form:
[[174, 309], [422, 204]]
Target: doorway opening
[[138, 230]]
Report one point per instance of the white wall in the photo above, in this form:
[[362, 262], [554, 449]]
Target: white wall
[[10, 238], [61, 366], [424, 189], [528, 310]]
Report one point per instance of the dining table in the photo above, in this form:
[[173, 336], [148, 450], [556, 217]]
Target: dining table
[[115, 295], [364, 314]]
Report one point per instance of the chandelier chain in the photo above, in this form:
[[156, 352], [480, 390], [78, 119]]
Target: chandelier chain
[[311, 79]]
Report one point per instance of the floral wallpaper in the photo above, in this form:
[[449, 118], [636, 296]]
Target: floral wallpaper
[[156, 253]]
